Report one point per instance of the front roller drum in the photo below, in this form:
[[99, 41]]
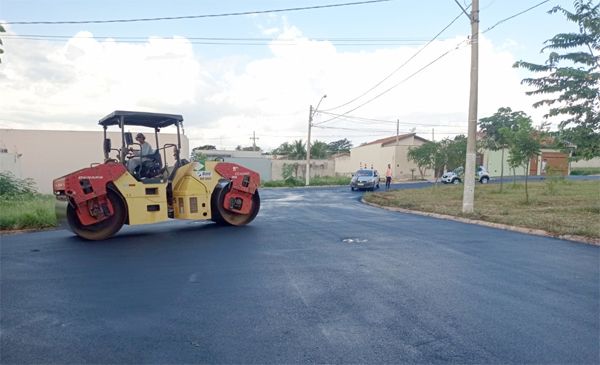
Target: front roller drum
[[103, 229], [220, 215]]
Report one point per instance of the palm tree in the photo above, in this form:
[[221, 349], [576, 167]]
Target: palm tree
[[298, 151]]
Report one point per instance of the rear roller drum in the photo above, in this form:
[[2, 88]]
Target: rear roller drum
[[100, 230], [220, 215]]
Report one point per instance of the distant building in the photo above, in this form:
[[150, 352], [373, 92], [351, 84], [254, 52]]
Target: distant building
[[253, 160], [379, 153]]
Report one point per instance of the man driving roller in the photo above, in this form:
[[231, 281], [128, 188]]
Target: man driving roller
[[145, 151]]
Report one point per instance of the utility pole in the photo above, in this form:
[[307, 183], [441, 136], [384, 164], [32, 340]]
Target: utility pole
[[432, 134], [469, 187], [311, 113], [310, 118], [254, 138]]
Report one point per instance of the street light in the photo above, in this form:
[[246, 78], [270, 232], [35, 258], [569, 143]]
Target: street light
[[311, 113]]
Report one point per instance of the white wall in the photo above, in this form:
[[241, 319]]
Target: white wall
[[594, 162], [46, 155], [317, 168], [11, 162]]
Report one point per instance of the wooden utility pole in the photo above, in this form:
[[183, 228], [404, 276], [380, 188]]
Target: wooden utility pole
[[469, 178], [310, 119], [311, 113]]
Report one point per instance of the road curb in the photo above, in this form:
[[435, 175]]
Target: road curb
[[532, 231]]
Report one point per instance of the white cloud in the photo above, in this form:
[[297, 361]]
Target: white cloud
[[71, 85]]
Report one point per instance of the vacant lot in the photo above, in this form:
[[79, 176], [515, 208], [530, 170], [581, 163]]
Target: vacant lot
[[560, 207]]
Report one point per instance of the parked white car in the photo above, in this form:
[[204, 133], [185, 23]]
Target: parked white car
[[455, 176]]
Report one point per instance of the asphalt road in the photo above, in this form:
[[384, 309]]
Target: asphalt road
[[317, 277]]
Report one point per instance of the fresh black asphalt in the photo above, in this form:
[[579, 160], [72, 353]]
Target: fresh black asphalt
[[318, 277]]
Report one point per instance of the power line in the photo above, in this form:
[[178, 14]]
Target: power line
[[515, 15], [352, 117], [399, 83], [401, 66], [219, 41], [435, 60], [254, 12]]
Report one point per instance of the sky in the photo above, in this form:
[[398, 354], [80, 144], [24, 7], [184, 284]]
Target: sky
[[232, 76]]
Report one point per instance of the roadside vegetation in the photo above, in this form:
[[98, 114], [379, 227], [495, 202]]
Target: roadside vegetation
[[22, 207], [584, 171], [557, 205], [315, 181]]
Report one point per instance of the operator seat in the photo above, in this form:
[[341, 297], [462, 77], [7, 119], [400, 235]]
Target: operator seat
[[151, 165]]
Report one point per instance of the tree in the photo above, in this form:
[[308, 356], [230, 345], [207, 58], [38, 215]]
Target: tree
[[205, 147], [339, 146], [298, 150], [524, 145], [284, 149], [427, 156], [454, 152], [249, 148], [571, 78], [497, 130], [197, 155], [1, 50], [319, 150]]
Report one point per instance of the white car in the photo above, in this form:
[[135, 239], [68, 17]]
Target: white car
[[455, 176]]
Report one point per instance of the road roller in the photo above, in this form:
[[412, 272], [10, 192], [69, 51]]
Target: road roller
[[96, 201]]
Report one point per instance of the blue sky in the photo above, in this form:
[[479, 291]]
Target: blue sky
[[267, 87]]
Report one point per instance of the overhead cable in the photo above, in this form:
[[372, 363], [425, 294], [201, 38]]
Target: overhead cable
[[254, 12], [402, 65], [441, 56]]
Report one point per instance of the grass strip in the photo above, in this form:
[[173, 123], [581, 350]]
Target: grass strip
[[29, 212], [560, 207]]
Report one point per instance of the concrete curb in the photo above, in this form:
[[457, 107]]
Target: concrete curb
[[536, 232]]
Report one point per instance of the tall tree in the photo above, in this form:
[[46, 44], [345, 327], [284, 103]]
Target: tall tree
[[319, 150], [497, 130], [284, 149], [454, 152], [339, 146], [298, 151], [571, 78]]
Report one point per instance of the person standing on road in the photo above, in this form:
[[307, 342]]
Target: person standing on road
[[388, 177]]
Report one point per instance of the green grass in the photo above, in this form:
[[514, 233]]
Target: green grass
[[315, 181], [561, 207], [27, 212], [586, 171]]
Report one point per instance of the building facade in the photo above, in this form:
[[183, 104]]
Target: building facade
[[379, 153], [45, 155]]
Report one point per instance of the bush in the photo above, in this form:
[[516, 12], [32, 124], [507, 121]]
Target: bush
[[582, 171], [12, 187]]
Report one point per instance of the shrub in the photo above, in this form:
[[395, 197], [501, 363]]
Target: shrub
[[12, 187]]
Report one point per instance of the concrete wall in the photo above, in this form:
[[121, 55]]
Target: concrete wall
[[317, 168], [46, 155], [594, 162], [492, 161], [259, 164], [343, 165], [11, 162]]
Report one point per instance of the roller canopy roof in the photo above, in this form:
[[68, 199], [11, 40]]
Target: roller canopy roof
[[151, 120]]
